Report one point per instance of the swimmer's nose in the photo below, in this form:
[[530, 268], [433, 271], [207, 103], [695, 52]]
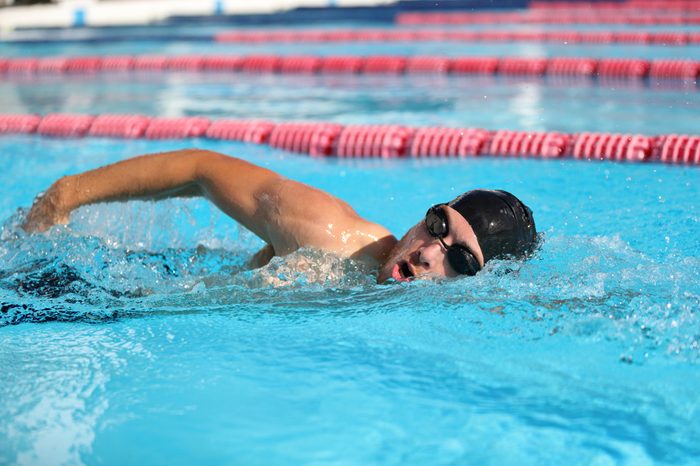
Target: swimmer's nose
[[428, 255]]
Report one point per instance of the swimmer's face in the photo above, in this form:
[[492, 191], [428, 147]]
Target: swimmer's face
[[418, 255]]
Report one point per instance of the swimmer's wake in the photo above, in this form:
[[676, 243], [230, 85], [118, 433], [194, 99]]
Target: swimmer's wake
[[61, 276]]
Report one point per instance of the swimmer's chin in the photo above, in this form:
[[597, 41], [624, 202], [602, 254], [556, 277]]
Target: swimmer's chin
[[384, 277]]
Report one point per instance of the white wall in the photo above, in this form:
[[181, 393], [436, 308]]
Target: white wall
[[125, 12]]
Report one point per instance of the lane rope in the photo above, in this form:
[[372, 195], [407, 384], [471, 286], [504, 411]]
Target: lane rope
[[628, 68], [594, 15], [327, 139], [427, 35], [627, 5]]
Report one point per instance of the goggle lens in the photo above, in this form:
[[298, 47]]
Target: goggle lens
[[460, 258]]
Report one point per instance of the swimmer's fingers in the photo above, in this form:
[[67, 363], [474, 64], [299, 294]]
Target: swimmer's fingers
[[38, 219], [47, 211]]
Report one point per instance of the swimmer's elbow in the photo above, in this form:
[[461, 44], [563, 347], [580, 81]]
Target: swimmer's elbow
[[216, 168], [200, 156], [201, 162]]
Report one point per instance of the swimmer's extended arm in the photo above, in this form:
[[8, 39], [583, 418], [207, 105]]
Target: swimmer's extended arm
[[232, 184]]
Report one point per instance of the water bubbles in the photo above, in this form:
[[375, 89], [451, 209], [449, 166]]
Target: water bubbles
[[311, 268], [592, 287]]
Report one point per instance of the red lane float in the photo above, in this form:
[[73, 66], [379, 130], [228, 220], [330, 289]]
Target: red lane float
[[523, 66], [469, 65], [315, 139], [423, 35], [254, 131], [675, 69], [222, 63], [679, 149], [634, 5], [387, 141], [65, 125], [419, 64], [618, 147], [528, 144], [528, 36], [150, 63], [430, 141], [623, 67], [597, 37], [448, 142], [324, 140], [572, 66], [185, 63], [340, 64], [564, 37], [52, 65], [119, 126], [473, 142], [19, 124], [261, 64], [669, 38], [627, 68], [300, 64], [372, 35], [176, 128], [385, 64], [461, 36], [117, 63], [83, 64], [636, 37], [594, 15], [22, 65]]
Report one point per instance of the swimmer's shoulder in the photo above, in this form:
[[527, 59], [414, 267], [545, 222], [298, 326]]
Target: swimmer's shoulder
[[376, 244], [299, 215]]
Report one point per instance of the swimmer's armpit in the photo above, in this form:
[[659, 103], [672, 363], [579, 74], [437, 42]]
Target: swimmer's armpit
[[262, 257]]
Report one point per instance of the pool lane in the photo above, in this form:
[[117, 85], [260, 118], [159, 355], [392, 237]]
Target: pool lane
[[490, 102]]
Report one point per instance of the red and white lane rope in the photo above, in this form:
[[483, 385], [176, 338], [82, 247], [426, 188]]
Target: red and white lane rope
[[369, 141], [628, 5], [425, 35], [632, 68], [593, 15]]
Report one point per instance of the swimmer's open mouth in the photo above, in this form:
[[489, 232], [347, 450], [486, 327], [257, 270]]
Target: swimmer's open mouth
[[402, 272], [405, 270]]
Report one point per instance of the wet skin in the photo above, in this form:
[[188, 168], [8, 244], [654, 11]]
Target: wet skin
[[418, 255], [285, 214]]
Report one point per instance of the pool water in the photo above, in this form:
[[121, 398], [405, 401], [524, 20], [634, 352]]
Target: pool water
[[135, 335]]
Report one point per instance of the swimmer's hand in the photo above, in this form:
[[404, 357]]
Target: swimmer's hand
[[49, 208]]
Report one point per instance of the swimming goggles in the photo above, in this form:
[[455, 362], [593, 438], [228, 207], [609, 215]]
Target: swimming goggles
[[460, 258]]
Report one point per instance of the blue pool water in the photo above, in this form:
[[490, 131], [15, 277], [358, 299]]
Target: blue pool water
[[136, 336]]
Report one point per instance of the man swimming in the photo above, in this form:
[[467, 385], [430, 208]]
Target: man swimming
[[455, 238]]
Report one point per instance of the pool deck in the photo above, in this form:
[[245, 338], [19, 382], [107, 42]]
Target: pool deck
[[72, 13]]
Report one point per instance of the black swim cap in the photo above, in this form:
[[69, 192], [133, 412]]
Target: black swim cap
[[503, 225]]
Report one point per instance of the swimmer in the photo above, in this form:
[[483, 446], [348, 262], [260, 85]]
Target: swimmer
[[453, 239]]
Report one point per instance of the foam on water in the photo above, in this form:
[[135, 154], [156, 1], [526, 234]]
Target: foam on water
[[139, 324], [461, 353], [603, 289]]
